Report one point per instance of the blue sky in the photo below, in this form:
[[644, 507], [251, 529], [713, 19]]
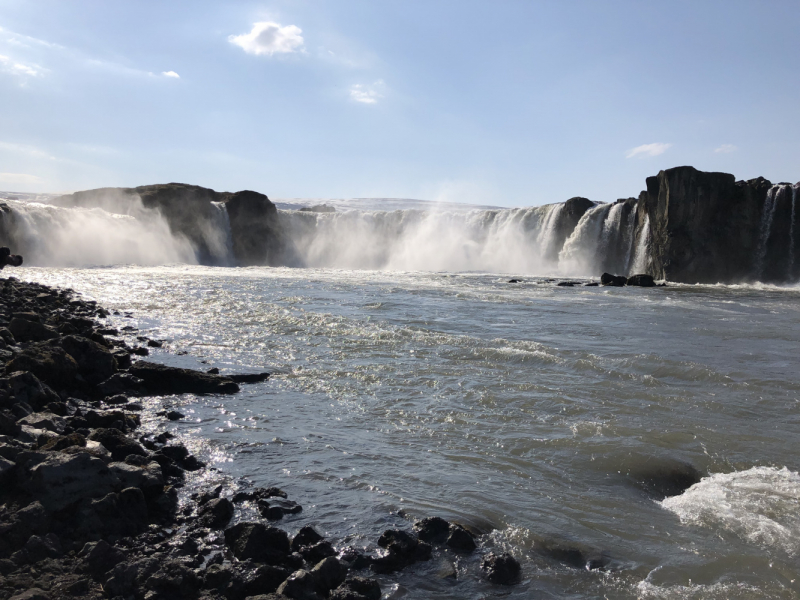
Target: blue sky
[[509, 103]]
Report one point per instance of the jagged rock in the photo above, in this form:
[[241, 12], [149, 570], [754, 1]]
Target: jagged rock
[[501, 568], [121, 383], [258, 542], [357, 588], [264, 580], [307, 536], [95, 362], [27, 388], [31, 594], [48, 546], [102, 557], [147, 476], [47, 421], [49, 363], [8, 424], [328, 574], [274, 509], [432, 529], [314, 553], [117, 443], [161, 379], [63, 442], [460, 540], [402, 549], [62, 479], [300, 585], [216, 513], [25, 330]]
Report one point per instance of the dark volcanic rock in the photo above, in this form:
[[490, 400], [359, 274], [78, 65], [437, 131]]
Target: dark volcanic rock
[[27, 330], [117, 443], [641, 280], [95, 362], [613, 280], [255, 229], [460, 540], [258, 542], [501, 568], [402, 549], [433, 529], [49, 363], [161, 379], [357, 588], [664, 478], [307, 536]]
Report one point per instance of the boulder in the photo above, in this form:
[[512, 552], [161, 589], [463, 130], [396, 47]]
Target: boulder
[[49, 363], [641, 280], [613, 280], [216, 513], [665, 477], [147, 476], [62, 479], [102, 557], [43, 420], [432, 529], [121, 383], [256, 541], [300, 585], [501, 568], [161, 379], [119, 444], [25, 330], [307, 536], [460, 540], [357, 588], [572, 555], [328, 574], [402, 549], [26, 387], [95, 362]]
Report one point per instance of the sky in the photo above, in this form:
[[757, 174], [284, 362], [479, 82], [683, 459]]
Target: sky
[[509, 103]]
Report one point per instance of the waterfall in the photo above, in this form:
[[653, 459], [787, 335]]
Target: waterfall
[[547, 232], [628, 242], [790, 272], [579, 255], [640, 257], [764, 230], [73, 237], [219, 238]]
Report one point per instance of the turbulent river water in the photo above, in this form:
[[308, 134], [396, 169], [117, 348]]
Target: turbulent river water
[[521, 410]]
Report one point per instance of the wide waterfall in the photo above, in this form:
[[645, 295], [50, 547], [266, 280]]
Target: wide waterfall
[[775, 253], [524, 240]]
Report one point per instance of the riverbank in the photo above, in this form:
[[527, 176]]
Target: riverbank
[[92, 508]]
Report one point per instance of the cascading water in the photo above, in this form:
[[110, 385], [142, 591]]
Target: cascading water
[[765, 229], [220, 239], [580, 252], [69, 237], [640, 255]]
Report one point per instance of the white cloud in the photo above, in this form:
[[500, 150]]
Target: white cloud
[[269, 38], [647, 150], [18, 178], [172, 74], [726, 148], [10, 66], [368, 93]]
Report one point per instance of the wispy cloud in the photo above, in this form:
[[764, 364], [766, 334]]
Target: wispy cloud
[[9, 65], [18, 178], [726, 149], [172, 74], [646, 150], [269, 38], [368, 93]]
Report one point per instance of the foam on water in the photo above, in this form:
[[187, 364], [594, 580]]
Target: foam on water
[[759, 505]]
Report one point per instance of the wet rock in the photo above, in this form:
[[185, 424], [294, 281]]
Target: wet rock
[[26, 330], [502, 568], [432, 529], [641, 280], [460, 540], [314, 553], [275, 508], [307, 536], [161, 379], [264, 580], [51, 364], [572, 555], [216, 513], [172, 415], [147, 476], [258, 542], [402, 549], [121, 383], [357, 588], [119, 444], [259, 494], [665, 478], [123, 357], [613, 280], [248, 377], [515, 281], [95, 362], [116, 400], [566, 284], [591, 284]]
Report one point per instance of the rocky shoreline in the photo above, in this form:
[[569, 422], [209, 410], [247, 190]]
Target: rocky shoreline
[[89, 507]]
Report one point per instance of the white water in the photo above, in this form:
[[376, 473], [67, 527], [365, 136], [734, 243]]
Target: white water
[[765, 229], [581, 251], [790, 271], [69, 237], [640, 255]]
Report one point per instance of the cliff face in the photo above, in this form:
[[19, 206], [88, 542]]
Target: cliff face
[[190, 212], [707, 228]]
